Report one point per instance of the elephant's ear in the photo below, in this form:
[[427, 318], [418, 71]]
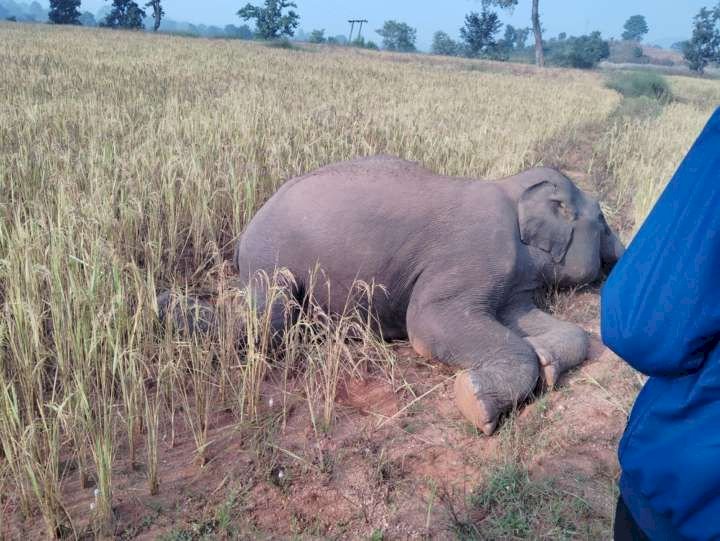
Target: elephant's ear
[[542, 222]]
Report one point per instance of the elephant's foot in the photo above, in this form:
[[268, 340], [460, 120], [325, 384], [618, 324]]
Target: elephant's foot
[[475, 409], [550, 375], [549, 369]]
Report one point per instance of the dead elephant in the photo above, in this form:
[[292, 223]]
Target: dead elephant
[[460, 261]]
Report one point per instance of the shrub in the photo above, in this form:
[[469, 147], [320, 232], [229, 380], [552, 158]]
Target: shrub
[[282, 44], [362, 44], [634, 84]]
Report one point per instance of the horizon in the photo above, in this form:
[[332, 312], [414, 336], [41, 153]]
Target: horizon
[[668, 21]]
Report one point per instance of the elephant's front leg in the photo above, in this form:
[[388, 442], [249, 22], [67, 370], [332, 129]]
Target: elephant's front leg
[[501, 368], [559, 345]]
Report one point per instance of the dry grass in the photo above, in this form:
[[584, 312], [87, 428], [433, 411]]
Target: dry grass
[[643, 154], [130, 163]]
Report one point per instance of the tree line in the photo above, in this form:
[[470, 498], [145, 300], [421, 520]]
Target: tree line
[[479, 37], [123, 14]]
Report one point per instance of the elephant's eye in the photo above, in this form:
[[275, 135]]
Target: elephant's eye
[[564, 210]]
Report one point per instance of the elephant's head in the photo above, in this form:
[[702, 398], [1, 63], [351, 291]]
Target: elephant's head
[[568, 225]]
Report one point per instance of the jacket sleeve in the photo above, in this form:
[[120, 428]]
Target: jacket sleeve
[[660, 307]]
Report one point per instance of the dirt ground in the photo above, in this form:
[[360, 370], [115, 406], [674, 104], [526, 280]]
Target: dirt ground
[[399, 462]]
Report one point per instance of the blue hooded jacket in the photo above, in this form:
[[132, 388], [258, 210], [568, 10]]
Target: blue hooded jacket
[[661, 313]]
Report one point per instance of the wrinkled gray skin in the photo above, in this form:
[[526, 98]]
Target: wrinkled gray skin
[[460, 261]]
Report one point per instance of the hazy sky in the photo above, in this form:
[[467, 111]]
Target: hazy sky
[[669, 20]]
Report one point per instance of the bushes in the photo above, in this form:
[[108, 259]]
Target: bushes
[[635, 84]]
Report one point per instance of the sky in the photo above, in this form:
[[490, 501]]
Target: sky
[[669, 20]]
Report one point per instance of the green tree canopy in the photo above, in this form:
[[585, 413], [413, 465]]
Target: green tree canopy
[[503, 4], [479, 33], [515, 38], [125, 14], [87, 19], [580, 52], [635, 28], [443, 44], [704, 46], [64, 12], [398, 36], [317, 36], [270, 21]]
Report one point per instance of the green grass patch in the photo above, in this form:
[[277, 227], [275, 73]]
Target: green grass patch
[[511, 505], [636, 84], [640, 108]]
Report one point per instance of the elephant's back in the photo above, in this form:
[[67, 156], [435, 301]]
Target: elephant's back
[[376, 180], [353, 211]]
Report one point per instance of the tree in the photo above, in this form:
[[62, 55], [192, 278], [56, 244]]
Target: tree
[[444, 45], [479, 33], [87, 19], [158, 13], [580, 52], [398, 36], [508, 41], [535, 18], [270, 21], [521, 37], [317, 36], [515, 38], [64, 12], [125, 14], [704, 46], [635, 28], [537, 30]]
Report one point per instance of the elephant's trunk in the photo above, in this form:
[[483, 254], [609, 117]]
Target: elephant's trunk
[[611, 250]]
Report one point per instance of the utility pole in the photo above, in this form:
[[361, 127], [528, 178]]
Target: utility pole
[[352, 27], [360, 29]]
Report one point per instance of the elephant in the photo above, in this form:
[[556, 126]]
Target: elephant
[[460, 261]]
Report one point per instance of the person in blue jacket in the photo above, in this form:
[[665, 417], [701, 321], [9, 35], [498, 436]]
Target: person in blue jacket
[[661, 313]]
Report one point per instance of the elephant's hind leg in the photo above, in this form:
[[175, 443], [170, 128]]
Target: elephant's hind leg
[[500, 368]]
